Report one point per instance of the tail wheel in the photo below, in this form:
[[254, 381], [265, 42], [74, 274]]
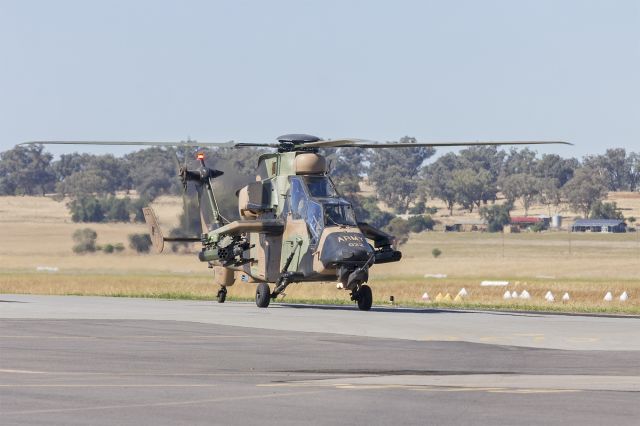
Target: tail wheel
[[263, 295], [365, 298], [222, 295]]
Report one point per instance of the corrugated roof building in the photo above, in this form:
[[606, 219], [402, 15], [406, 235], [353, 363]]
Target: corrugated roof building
[[599, 225]]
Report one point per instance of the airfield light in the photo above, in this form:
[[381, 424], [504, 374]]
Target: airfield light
[[200, 156]]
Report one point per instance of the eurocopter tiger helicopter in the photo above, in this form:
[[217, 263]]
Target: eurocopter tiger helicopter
[[294, 227]]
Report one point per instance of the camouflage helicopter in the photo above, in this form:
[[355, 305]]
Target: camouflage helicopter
[[294, 225]]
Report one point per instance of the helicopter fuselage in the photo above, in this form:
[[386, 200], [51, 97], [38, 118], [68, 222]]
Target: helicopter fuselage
[[293, 221]]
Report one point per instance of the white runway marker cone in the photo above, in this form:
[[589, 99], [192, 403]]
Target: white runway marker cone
[[547, 294], [525, 295], [425, 297], [506, 295], [514, 295], [565, 297], [549, 297], [462, 292], [624, 296], [608, 297]]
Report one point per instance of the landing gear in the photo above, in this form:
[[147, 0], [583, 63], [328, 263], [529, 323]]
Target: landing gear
[[363, 296], [263, 295], [222, 294]]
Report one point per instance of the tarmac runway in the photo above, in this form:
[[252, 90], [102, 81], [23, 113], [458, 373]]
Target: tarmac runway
[[90, 360]]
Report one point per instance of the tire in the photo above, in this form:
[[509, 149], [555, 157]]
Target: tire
[[263, 295], [222, 295], [365, 298]]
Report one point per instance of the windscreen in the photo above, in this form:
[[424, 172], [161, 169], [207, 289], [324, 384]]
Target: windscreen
[[320, 187], [339, 214]]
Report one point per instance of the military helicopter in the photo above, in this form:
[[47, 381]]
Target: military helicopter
[[294, 225]]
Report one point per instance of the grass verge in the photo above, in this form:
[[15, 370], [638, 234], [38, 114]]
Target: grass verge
[[586, 295]]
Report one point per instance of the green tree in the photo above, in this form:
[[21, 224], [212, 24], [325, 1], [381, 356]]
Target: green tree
[[86, 208], [585, 189], [439, 179], [497, 216], [90, 208], [634, 171], [550, 193], [631, 220], [85, 182], [68, 164], [552, 166], [367, 210], [486, 158], [418, 208], [26, 170], [100, 175], [472, 187], [347, 168], [519, 161], [141, 243], [394, 173], [117, 209], [613, 166], [153, 172], [420, 223], [602, 210], [85, 240], [523, 187]]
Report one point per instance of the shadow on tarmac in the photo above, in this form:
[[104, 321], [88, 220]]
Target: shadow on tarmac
[[401, 310]]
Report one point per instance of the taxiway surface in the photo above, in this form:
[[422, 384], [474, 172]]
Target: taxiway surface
[[79, 360]]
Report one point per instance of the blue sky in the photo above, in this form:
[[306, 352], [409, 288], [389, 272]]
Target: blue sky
[[252, 70]]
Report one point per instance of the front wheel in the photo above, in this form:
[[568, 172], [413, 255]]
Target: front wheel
[[222, 295], [263, 295], [365, 298]]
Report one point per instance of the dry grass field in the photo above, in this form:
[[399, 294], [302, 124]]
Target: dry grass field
[[36, 232]]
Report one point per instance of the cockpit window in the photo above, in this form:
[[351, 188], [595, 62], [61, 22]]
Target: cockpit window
[[298, 200], [339, 214], [314, 221], [318, 206], [320, 187]]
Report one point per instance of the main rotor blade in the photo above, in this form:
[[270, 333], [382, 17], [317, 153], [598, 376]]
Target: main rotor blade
[[360, 143], [339, 143], [258, 145], [189, 143]]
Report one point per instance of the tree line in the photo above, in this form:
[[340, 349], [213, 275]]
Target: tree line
[[403, 178], [475, 176]]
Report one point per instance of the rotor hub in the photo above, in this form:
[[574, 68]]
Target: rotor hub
[[296, 141]]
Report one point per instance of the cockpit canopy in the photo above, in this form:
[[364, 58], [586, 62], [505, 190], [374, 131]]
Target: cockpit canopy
[[315, 200]]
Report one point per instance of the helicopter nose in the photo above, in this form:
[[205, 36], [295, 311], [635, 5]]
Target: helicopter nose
[[345, 248]]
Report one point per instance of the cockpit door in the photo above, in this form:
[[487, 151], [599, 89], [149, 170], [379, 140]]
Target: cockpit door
[[295, 226]]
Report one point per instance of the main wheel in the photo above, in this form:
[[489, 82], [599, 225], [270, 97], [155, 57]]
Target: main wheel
[[263, 295], [222, 295], [365, 298]]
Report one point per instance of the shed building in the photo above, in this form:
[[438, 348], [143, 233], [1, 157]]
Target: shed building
[[599, 225]]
